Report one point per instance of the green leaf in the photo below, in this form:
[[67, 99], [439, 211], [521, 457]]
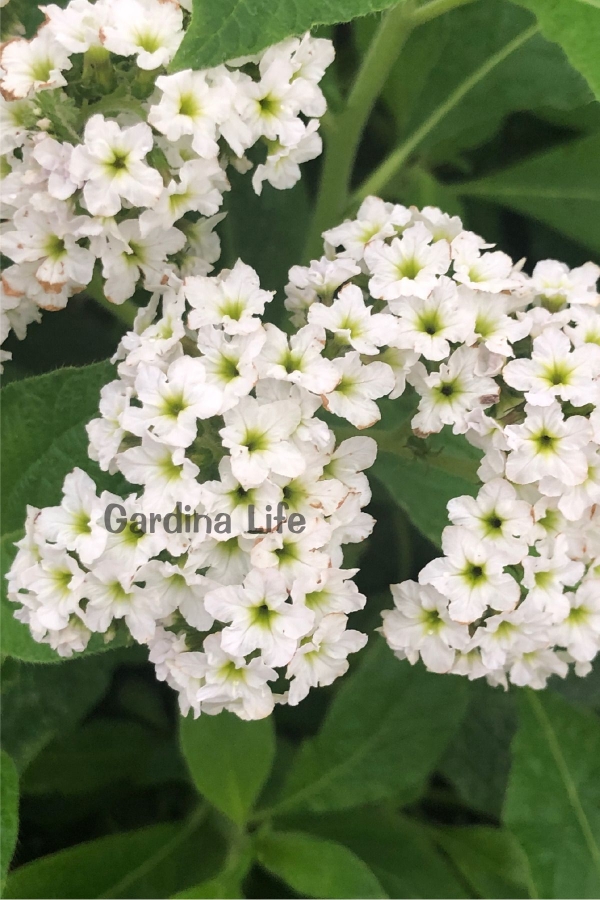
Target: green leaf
[[9, 812], [384, 733], [430, 68], [232, 28], [477, 760], [40, 702], [575, 25], [43, 428], [490, 859], [153, 862], [560, 187], [423, 478], [227, 885], [100, 753], [553, 799], [249, 218], [399, 851], [316, 867], [229, 760]]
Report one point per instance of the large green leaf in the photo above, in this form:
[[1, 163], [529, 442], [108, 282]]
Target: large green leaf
[[229, 760], [40, 702], [560, 187], [575, 25], [316, 867], [9, 812], [230, 28], [383, 735], [398, 850], [490, 859], [477, 760], [153, 862], [423, 478], [553, 799], [431, 67], [100, 753], [43, 436]]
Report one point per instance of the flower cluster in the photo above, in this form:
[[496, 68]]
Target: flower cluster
[[212, 417], [111, 166], [512, 362]]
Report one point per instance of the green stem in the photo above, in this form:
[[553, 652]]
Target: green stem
[[345, 129], [388, 168], [436, 8]]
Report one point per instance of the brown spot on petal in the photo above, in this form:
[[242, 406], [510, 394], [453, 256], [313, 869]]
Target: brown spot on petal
[[51, 287], [12, 292], [324, 402]]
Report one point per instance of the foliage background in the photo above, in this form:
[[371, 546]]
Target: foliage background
[[393, 782]]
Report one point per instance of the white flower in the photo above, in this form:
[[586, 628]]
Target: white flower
[[521, 631], [580, 630], [496, 516], [234, 300], [231, 683], [260, 617], [257, 437], [270, 107], [535, 668], [57, 581], [29, 66], [127, 254], [547, 444], [375, 221], [409, 266], [74, 524], [106, 433], [191, 104], [230, 363], [295, 554], [167, 475], [482, 271], [556, 285], [228, 496], [55, 158], [429, 324], [128, 543], [179, 587], [587, 326], [150, 29], [353, 323], [328, 591], [493, 327], [50, 240], [172, 401], [77, 26], [298, 359], [282, 166], [555, 370], [110, 162], [324, 658], [471, 576], [420, 625], [200, 186], [448, 395], [358, 388], [441, 225], [113, 595], [319, 281], [347, 462], [575, 500], [545, 577]]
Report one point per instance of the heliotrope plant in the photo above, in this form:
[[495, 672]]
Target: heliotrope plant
[[116, 174]]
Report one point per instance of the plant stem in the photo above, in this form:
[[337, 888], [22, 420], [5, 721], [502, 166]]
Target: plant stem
[[435, 8], [388, 168], [347, 127]]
